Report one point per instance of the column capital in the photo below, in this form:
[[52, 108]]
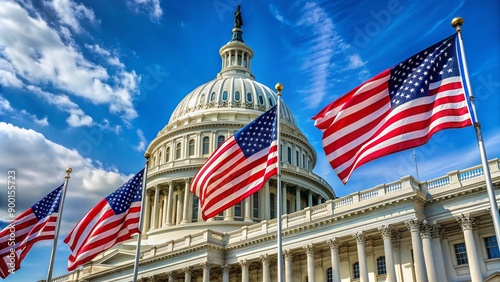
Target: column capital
[[288, 254], [466, 221], [359, 236], [149, 193], [244, 264], [425, 229], [334, 243], [413, 224], [206, 265], [188, 269], [225, 267], [264, 259], [386, 231], [309, 248], [396, 239], [437, 230], [170, 274]]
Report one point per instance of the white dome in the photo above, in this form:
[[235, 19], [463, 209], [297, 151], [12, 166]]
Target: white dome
[[230, 93]]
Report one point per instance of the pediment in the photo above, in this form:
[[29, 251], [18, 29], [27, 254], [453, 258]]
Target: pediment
[[116, 257], [495, 277]]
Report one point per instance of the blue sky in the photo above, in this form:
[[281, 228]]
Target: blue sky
[[89, 84]]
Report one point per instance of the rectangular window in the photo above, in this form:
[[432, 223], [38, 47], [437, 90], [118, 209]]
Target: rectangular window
[[491, 244], [256, 205], [355, 270], [381, 267], [461, 254]]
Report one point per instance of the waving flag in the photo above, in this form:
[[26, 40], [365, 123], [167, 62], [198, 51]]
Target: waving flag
[[239, 167], [113, 220], [35, 224], [400, 108]]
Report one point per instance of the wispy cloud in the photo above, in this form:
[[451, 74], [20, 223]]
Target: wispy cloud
[[323, 53], [142, 141], [71, 13], [149, 7]]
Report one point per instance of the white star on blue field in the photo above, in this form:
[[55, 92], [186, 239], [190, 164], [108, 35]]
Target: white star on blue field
[[88, 84]]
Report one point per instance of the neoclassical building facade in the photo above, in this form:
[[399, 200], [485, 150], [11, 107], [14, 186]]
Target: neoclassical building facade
[[407, 230]]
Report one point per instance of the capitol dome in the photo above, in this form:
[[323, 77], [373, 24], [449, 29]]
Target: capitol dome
[[204, 119]]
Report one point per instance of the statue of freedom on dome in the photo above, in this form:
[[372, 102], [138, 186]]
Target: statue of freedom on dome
[[238, 21]]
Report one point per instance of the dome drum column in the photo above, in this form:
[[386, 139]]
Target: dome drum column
[[185, 206]]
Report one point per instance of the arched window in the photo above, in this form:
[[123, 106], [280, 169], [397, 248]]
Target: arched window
[[202, 99], [329, 275], [255, 205], [205, 145], [355, 270], [196, 202], [289, 155], [178, 150], [270, 102], [261, 100], [381, 268], [297, 158], [160, 160], [220, 140], [237, 96], [249, 97], [304, 161], [224, 96], [167, 154], [191, 147], [212, 97], [273, 205]]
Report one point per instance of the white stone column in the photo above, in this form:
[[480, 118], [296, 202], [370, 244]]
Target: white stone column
[[416, 243], [363, 269], [430, 263], [467, 224], [170, 276], [225, 272], [164, 213], [283, 198], [178, 212], [334, 252], [266, 275], [244, 270], [437, 232], [396, 247], [154, 218], [386, 232], [267, 201], [310, 262], [147, 210], [187, 274], [248, 210], [169, 203], [206, 271], [288, 265], [297, 199], [186, 206]]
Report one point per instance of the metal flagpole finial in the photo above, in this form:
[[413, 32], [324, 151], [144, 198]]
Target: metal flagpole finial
[[68, 171], [457, 23], [278, 88]]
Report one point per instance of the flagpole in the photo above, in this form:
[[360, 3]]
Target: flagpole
[[141, 218], [58, 225], [279, 87], [457, 23], [416, 165]]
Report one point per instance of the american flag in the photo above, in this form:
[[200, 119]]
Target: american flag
[[400, 108], [113, 220], [35, 224], [239, 167]]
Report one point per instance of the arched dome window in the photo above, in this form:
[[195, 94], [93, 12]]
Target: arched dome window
[[249, 97], [237, 96], [205, 144], [212, 97], [224, 96], [202, 99], [191, 147], [167, 154], [220, 140], [270, 102], [261, 100], [178, 150]]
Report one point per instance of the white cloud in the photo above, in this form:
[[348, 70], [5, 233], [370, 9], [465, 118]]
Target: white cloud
[[37, 54], [43, 122], [149, 7], [70, 13], [4, 105], [76, 115], [40, 166], [142, 141], [355, 62]]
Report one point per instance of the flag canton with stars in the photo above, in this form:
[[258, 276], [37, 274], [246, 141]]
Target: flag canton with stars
[[131, 191], [258, 134], [411, 78], [48, 205]]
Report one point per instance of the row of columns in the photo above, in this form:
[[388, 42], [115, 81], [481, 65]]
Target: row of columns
[[424, 237], [183, 206]]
